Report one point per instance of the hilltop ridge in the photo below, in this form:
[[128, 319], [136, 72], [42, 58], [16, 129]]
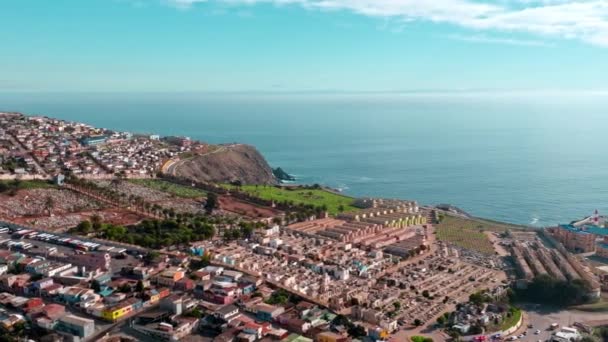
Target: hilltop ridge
[[229, 163]]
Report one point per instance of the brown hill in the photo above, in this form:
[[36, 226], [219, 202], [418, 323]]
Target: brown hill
[[227, 164]]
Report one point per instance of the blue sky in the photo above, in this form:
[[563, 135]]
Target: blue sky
[[303, 45]]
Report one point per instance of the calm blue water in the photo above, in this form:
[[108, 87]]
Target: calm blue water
[[524, 159]]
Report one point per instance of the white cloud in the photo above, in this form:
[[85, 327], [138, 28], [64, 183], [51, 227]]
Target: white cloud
[[585, 20]]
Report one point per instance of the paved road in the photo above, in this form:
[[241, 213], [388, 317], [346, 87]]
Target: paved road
[[172, 165], [542, 317]]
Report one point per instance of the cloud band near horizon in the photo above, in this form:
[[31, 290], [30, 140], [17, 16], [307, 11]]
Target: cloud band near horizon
[[584, 20]]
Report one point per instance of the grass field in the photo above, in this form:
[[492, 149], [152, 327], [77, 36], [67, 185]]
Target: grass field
[[600, 306], [27, 184], [496, 226], [315, 197], [510, 322], [466, 234], [171, 188]]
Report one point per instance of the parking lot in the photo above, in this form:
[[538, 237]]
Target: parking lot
[[41, 248], [541, 318]]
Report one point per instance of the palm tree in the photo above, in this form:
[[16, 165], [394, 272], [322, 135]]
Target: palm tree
[[49, 204]]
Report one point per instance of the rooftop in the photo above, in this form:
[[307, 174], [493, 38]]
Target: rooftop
[[586, 229]]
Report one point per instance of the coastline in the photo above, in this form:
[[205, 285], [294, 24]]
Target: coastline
[[349, 193]]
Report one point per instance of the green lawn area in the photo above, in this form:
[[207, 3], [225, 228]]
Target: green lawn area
[[600, 306], [465, 233], [511, 321], [316, 197], [26, 184], [171, 188]]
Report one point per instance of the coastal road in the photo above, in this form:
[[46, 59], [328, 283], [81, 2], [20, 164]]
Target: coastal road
[[171, 166]]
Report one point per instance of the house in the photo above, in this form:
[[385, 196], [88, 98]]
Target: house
[[293, 321], [256, 329], [56, 269], [233, 275], [227, 312], [184, 284], [267, 312], [92, 261], [170, 276], [121, 309], [328, 336], [77, 326], [297, 338], [180, 260], [72, 295], [39, 285], [36, 266], [176, 330], [33, 305], [214, 270], [8, 322], [53, 311], [202, 275], [52, 290], [174, 304], [94, 140], [141, 273], [152, 296]]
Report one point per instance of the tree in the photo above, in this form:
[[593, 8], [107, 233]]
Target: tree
[[211, 203], [476, 329], [139, 287], [84, 227], [397, 305], [49, 204], [546, 289], [478, 298], [196, 313], [341, 320], [421, 339], [417, 322], [357, 331], [280, 297], [426, 294], [96, 222], [151, 256], [124, 288], [96, 286]]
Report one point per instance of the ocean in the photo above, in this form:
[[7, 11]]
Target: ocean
[[536, 159]]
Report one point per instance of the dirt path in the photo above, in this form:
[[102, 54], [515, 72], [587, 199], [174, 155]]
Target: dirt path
[[501, 250]]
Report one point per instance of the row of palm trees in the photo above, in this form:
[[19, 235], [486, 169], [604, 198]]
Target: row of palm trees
[[138, 203], [121, 199]]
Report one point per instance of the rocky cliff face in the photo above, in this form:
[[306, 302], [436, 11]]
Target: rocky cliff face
[[230, 163]]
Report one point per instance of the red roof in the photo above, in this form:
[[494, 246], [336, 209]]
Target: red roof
[[53, 311], [34, 303]]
